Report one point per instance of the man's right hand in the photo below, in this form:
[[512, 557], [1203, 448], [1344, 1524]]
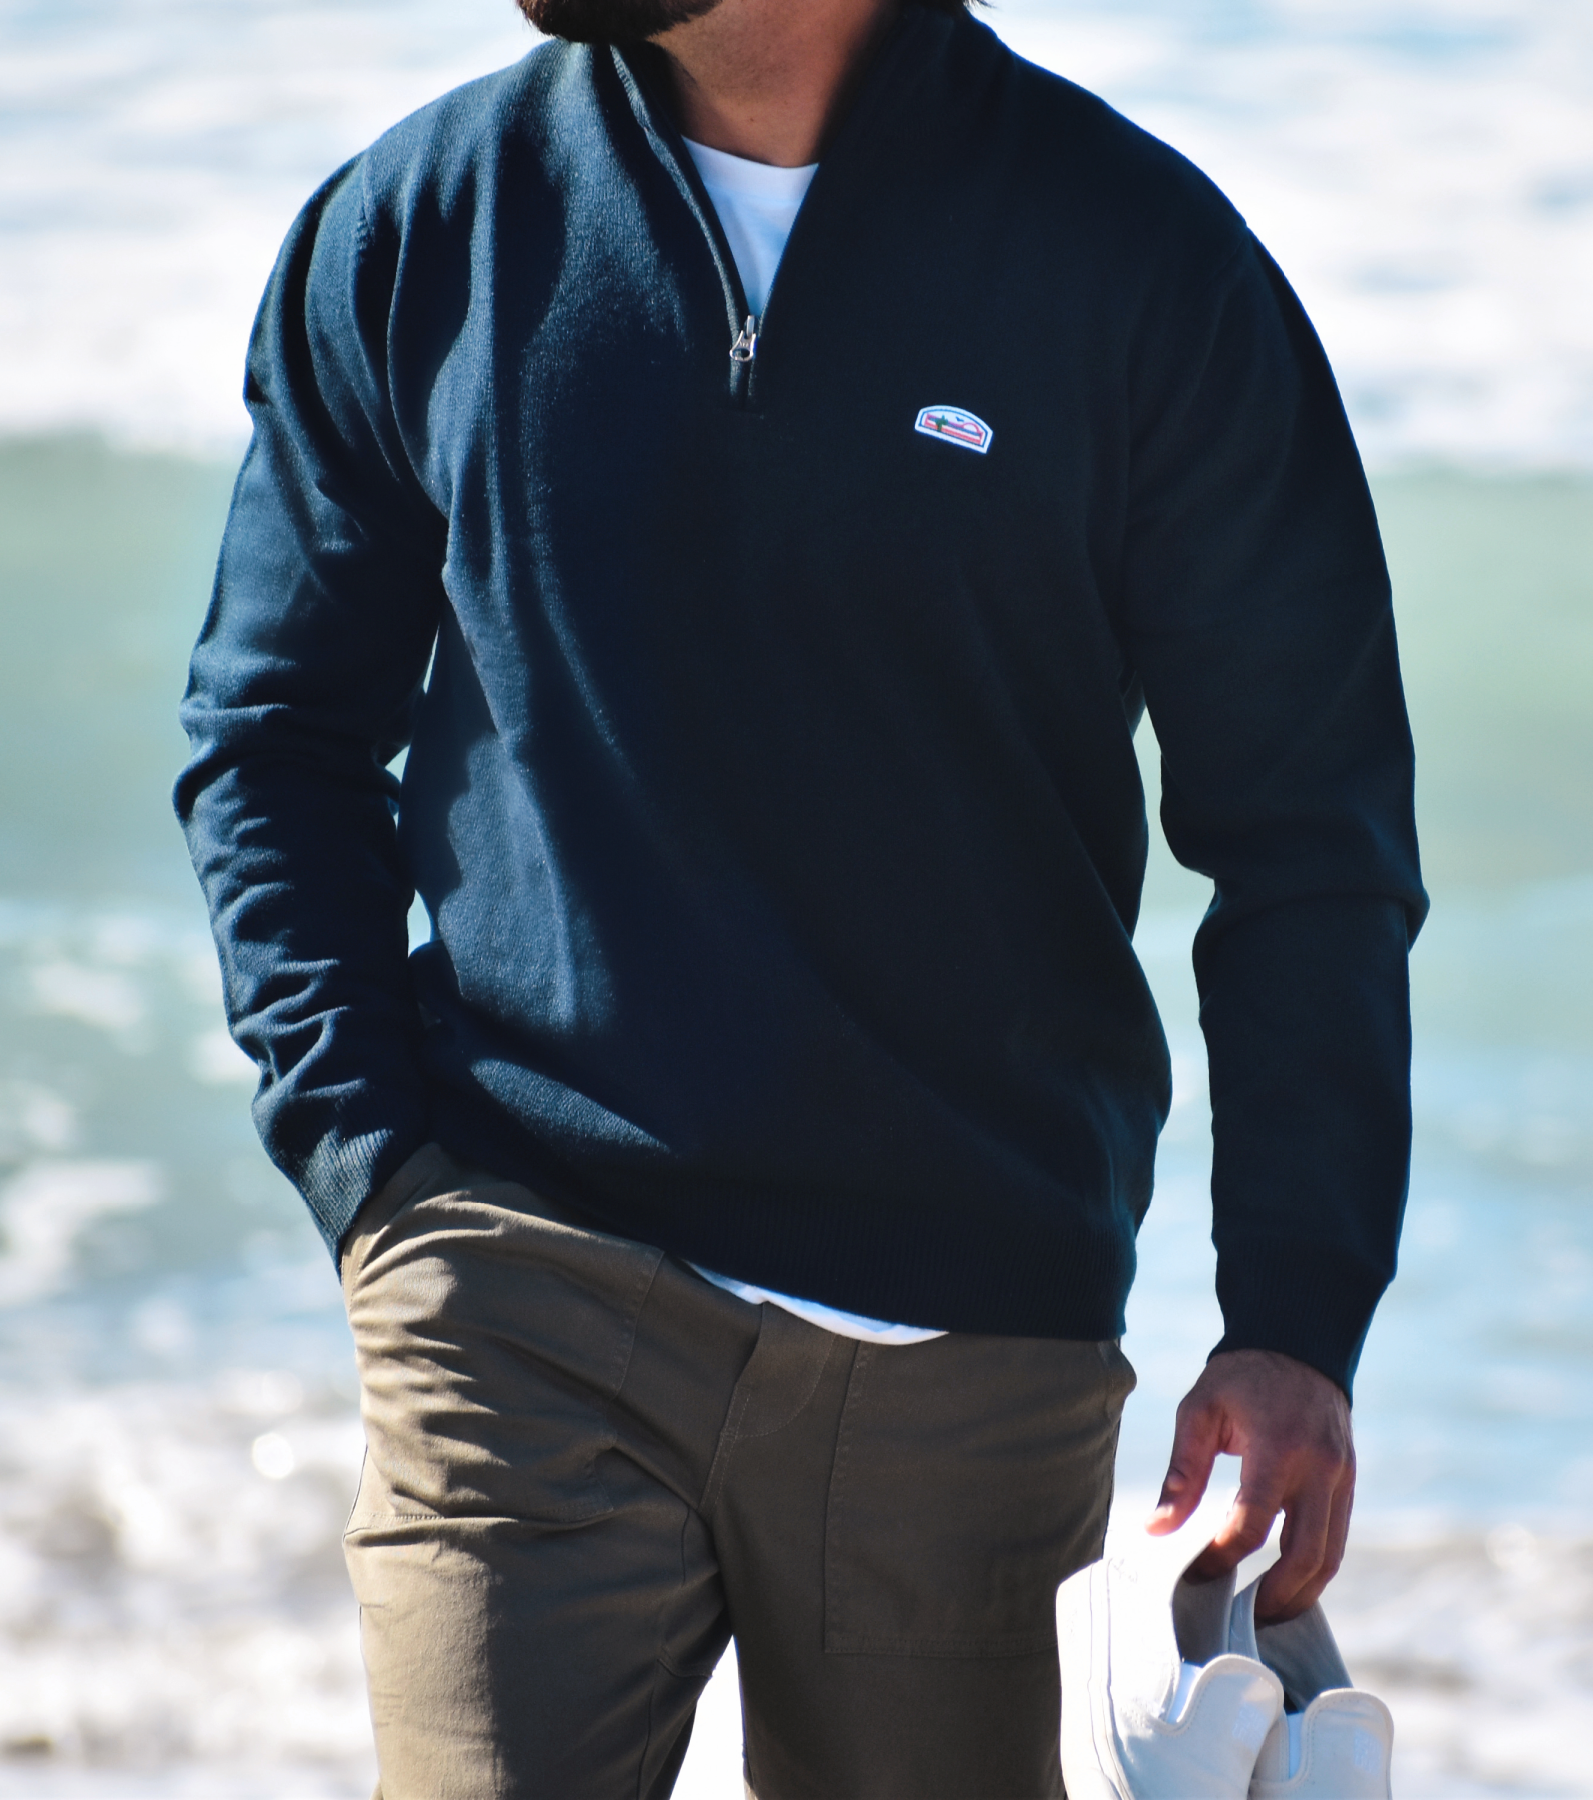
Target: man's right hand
[[1290, 1426]]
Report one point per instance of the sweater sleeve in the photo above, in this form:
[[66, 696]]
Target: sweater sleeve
[[1257, 614], [301, 692]]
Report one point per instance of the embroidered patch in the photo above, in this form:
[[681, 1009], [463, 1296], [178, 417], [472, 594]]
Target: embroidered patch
[[956, 426]]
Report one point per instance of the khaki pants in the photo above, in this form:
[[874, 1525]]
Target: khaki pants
[[588, 1468]]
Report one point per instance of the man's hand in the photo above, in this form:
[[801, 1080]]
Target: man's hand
[[1290, 1426]]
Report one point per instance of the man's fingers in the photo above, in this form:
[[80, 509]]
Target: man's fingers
[[1300, 1573], [1196, 1441], [1245, 1529], [1339, 1530], [1287, 1592], [1291, 1426]]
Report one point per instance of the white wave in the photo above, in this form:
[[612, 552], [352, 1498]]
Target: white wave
[[158, 155], [30, 1778], [1424, 172], [34, 1117], [105, 998], [179, 1610], [216, 1060], [1479, 1646], [45, 1209]]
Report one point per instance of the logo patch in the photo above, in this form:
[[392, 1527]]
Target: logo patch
[[956, 426]]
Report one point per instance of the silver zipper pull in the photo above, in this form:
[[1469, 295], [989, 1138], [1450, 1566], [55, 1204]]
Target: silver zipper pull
[[745, 348]]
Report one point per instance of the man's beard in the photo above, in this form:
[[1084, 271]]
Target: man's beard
[[610, 21]]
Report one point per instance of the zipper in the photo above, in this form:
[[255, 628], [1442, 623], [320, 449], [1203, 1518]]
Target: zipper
[[743, 354], [672, 150]]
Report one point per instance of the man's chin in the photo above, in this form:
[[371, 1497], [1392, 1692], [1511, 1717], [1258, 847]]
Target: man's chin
[[611, 21]]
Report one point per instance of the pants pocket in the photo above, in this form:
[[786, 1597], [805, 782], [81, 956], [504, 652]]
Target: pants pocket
[[971, 1476], [490, 1339]]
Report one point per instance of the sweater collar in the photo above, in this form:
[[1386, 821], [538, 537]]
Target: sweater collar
[[917, 41], [914, 43]]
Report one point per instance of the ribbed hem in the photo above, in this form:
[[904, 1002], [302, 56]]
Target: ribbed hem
[[1311, 1301], [1003, 1270]]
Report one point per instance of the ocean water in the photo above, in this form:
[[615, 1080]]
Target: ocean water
[[178, 1429]]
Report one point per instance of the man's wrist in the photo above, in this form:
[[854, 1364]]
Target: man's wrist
[[1227, 1346], [1311, 1302]]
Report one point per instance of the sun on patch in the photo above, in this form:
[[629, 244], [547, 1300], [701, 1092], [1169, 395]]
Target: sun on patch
[[956, 425]]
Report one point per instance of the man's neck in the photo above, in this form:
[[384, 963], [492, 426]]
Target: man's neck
[[770, 79]]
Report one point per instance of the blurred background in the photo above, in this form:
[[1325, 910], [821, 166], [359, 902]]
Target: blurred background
[[178, 1429]]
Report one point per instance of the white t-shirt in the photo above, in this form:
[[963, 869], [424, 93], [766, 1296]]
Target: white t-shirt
[[830, 1318], [757, 205]]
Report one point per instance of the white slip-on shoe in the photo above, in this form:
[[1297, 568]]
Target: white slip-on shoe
[[1155, 1706], [1335, 1741]]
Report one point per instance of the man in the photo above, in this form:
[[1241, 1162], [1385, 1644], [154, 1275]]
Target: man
[[736, 1197]]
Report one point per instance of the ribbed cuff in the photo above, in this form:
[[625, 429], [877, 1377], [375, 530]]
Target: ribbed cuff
[[345, 1171], [1313, 1302]]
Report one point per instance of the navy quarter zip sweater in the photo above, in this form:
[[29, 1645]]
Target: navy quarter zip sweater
[[770, 778]]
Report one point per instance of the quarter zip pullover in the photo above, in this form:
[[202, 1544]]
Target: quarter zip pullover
[[773, 792]]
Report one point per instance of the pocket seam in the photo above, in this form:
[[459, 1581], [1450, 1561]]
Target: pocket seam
[[848, 1610], [564, 1512], [834, 1508], [969, 1649]]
